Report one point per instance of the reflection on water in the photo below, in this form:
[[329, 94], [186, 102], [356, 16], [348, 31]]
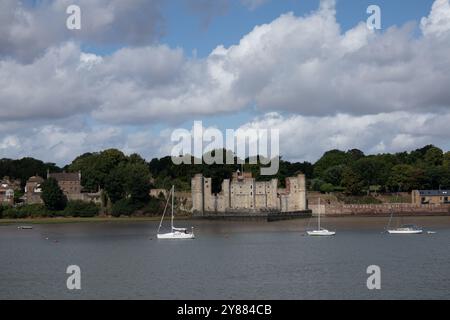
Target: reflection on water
[[228, 260]]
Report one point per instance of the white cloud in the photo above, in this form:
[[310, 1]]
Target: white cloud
[[303, 65], [438, 22], [26, 30], [306, 138], [376, 91]]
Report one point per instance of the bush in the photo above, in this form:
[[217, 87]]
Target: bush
[[125, 207], [81, 209], [29, 211], [2, 208], [326, 188], [360, 200], [154, 207]]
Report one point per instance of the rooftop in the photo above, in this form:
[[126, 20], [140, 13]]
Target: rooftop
[[434, 192], [64, 176]]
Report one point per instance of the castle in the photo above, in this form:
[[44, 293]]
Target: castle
[[244, 194]]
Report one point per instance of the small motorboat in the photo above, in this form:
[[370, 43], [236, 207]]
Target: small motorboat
[[25, 228], [407, 229]]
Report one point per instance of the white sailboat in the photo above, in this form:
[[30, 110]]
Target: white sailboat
[[176, 233], [320, 232], [406, 229]]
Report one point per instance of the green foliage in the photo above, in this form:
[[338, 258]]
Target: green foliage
[[126, 180], [434, 157], [446, 160], [359, 200], [97, 167], [154, 207], [29, 211], [326, 188], [352, 182], [316, 184], [333, 175], [52, 195], [81, 209], [25, 168], [405, 177], [17, 195], [125, 207]]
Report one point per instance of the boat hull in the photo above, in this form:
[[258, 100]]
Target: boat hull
[[176, 236], [405, 231], [321, 233]]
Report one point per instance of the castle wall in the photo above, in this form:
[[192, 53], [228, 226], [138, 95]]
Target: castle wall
[[197, 193], [244, 193]]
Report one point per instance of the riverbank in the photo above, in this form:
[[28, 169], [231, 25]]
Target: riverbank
[[83, 220]]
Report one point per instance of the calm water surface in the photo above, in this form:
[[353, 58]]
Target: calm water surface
[[228, 260]]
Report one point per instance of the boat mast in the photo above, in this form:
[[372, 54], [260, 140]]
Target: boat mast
[[173, 196], [320, 209], [164, 213]]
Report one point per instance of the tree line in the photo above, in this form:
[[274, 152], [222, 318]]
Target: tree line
[[126, 180]]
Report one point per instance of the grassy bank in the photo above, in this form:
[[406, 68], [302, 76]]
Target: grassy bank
[[83, 220]]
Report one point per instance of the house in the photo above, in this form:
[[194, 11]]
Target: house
[[430, 197], [7, 188], [70, 184], [33, 190]]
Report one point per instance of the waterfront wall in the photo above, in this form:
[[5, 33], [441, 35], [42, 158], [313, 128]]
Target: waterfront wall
[[405, 209]]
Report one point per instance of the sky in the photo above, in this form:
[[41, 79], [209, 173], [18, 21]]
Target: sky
[[139, 69]]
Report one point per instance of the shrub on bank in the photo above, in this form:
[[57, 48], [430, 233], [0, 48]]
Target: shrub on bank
[[154, 207], [28, 211], [359, 200], [81, 209], [125, 207]]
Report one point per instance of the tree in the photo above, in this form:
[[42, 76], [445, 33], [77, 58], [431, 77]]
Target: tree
[[434, 157], [137, 181], [351, 182], [52, 195], [329, 159], [326, 188], [446, 160], [406, 177], [115, 185], [333, 175]]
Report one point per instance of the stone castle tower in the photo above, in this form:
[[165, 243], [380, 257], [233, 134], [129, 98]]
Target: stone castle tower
[[244, 193]]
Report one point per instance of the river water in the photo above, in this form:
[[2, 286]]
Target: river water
[[228, 260]]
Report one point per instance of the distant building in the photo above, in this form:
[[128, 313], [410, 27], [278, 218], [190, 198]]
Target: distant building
[[7, 188], [244, 193], [430, 197], [33, 190], [70, 184]]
